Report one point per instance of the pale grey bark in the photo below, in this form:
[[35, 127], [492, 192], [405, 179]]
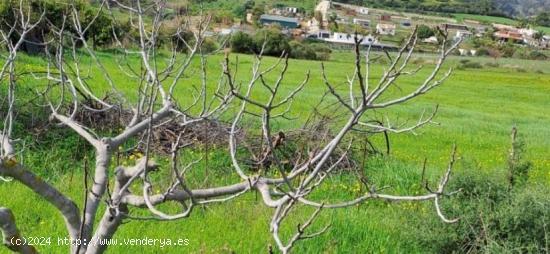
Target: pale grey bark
[[11, 236], [66, 206]]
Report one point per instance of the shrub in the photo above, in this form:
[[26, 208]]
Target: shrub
[[496, 216], [99, 32], [537, 55], [492, 64], [483, 52], [520, 53], [424, 31], [322, 51], [522, 223], [275, 42], [507, 50], [209, 45], [467, 64], [301, 51], [242, 43], [320, 47]]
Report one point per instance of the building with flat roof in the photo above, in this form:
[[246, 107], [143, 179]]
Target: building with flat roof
[[284, 22], [365, 23], [451, 26]]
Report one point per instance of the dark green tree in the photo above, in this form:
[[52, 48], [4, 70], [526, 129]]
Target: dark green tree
[[424, 31]]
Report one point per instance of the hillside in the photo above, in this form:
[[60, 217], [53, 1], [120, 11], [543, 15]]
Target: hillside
[[522, 8]]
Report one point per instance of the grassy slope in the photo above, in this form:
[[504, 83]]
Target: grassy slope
[[477, 109]]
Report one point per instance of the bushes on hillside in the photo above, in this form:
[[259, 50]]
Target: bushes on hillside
[[543, 19], [530, 54], [467, 64], [321, 50], [424, 31], [483, 52], [272, 42], [498, 213], [494, 219], [99, 33], [301, 51], [537, 55], [275, 44], [242, 43]]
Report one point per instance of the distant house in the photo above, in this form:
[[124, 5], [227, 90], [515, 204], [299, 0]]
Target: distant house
[[341, 20], [344, 40], [385, 29], [506, 33], [529, 36], [349, 39], [452, 26], [501, 27], [321, 34], [284, 11], [481, 30], [324, 34], [365, 23], [351, 12], [463, 52], [250, 18], [461, 34], [385, 18], [226, 31], [528, 32], [508, 36], [431, 40], [297, 32], [545, 42], [291, 9], [312, 24], [363, 10], [284, 22], [232, 30]]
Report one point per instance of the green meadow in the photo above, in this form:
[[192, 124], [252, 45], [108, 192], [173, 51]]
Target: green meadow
[[477, 109]]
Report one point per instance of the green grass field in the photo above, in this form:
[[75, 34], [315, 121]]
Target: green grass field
[[477, 109]]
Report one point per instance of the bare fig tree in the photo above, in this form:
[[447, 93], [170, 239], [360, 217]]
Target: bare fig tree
[[154, 79]]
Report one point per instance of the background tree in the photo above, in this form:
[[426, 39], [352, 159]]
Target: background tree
[[242, 43], [271, 41], [425, 31]]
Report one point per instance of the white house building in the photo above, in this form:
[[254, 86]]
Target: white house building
[[345, 38], [363, 10], [365, 23], [545, 41], [462, 34], [431, 40], [385, 29]]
